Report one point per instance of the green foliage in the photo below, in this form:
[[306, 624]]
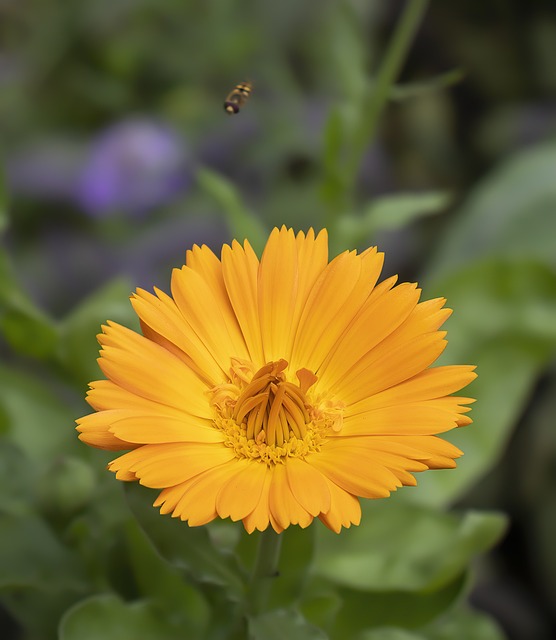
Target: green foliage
[[28, 330], [510, 214], [241, 222], [3, 201], [194, 553], [460, 624], [107, 616], [78, 349], [282, 623], [401, 547], [389, 213]]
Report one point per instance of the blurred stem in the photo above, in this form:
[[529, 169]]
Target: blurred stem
[[265, 571], [343, 193], [388, 73]]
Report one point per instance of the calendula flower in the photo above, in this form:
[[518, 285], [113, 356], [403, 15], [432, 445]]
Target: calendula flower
[[279, 390]]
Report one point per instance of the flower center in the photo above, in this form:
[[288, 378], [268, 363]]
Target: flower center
[[267, 417]]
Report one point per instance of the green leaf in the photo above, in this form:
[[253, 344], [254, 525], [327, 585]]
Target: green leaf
[[400, 92], [162, 583], [109, 618], [26, 328], [3, 201], [321, 603], [390, 633], [37, 422], [31, 556], [66, 486], [283, 623], [78, 351], [504, 323], [362, 610], [242, 223], [188, 548], [509, 214], [405, 547], [17, 475], [463, 624], [391, 212]]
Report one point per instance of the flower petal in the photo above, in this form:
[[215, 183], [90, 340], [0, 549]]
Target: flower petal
[[377, 319], [206, 312], [426, 385], [344, 511], [239, 494], [420, 418], [164, 465], [308, 486], [94, 431], [283, 506], [162, 322], [388, 365], [239, 268], [259, 518], [336, 297], [148, 370], [158, 429]]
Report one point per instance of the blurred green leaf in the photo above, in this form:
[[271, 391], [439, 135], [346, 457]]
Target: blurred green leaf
[[509, 214], [39, 423], [17, 475], [3, 201], [29, 332], [39, 611], [281, 624], [405, 547], [162, 583], [347, 51], [241, 222], [66, 486], [78, 350], [463, 624], [504, 323], [109, 618], [456, 624], [391, 212], [31, 556], [362, 610], [26, 328], [187, 548], [321, 603], [390, 633], [401, 92]]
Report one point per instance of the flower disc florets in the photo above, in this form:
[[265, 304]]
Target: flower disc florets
[[268, 418]]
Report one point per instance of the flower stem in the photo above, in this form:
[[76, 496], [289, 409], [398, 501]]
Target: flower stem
[[390, 68], [265, 571]]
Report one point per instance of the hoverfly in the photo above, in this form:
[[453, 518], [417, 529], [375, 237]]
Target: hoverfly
[[237, 97]]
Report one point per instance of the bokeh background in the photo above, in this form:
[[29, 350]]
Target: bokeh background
[[117, 156]]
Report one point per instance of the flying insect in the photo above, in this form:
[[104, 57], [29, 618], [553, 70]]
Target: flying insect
[[237, 97]]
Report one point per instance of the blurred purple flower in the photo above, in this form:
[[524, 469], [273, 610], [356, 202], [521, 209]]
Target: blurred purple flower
[[132, 167]]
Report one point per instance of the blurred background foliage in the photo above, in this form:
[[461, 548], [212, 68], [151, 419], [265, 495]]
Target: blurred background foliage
[[116, 156]]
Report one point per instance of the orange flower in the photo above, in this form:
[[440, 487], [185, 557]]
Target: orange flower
[[279, 390]]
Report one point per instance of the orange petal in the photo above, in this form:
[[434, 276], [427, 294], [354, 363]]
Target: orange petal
[[239, 267], [344, 511]]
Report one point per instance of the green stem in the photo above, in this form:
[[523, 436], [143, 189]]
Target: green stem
[[265, 570], [390, 68]]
